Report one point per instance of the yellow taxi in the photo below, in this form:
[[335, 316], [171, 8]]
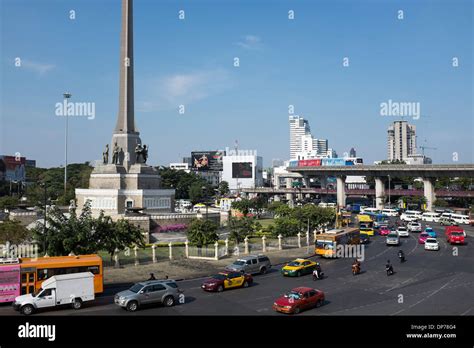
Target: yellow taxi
[[298, 268]]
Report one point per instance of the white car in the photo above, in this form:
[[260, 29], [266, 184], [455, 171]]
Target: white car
[[414, 226], [402, 231], [390, 212], [460, 219], [431, 244]]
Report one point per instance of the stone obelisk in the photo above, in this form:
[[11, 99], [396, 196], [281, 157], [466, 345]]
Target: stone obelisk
[[126, 135]]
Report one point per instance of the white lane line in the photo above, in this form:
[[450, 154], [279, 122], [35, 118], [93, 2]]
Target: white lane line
[[416, 245], [398, 285], [425, 298], [464, 313]]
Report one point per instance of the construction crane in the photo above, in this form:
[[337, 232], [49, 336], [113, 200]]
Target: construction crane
[[422, 147]]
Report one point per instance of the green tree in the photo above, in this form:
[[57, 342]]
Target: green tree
[[244, 205], [202, 232], [223, 188], [242, 227], [14, 232], [286, 226], [122, 235], [441, 203], [8, 202]]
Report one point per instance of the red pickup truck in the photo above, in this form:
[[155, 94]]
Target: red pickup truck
[[455, 235]]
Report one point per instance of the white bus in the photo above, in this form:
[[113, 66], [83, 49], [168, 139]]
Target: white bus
[[390, 212], [429, 216], [460, 219]]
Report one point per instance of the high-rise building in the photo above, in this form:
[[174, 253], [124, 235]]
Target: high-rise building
[[352, 152], [321, 146], [299, 127], [401, 141]]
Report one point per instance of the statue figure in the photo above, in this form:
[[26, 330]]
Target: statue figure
[[115, 157], [138, 152], [145, 153], [105, 154]]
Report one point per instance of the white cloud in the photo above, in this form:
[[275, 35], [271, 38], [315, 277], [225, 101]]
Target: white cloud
[[183, 89], [250, 42], [39, 68]]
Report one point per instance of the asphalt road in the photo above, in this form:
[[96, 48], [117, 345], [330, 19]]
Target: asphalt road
[[428, 283]]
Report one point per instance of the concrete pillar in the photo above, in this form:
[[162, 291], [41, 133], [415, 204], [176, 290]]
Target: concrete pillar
[[170, 245], [246, 245], [299, 239], [279, 242], [135, 252], [341, 191], [307, 238], [290, 196], [379, 192], [116, 258], [276, 182], [429, 192], [186, 248], [153, 249], [216, 251], [264, 244], [315, 233], [226, 246]]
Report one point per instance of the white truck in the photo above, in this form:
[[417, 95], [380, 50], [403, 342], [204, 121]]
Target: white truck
[[72, 289]]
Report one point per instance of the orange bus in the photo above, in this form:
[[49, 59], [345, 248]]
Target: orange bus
[[326, 243], [34, 271]]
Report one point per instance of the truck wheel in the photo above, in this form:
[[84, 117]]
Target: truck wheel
[[169, 301], [263, 270], [77, 304], [132, 306], [27, 309]]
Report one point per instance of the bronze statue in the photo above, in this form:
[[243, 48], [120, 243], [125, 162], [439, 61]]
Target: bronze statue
[[105, 154], [145, 153], [115, 157], [138, 152]]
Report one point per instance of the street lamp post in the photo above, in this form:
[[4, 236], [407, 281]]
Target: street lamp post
[[43, 185], [66, 97], [205, 202], [389, 202]]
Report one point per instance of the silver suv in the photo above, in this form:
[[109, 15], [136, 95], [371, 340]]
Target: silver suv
[[251, 264], [165, 292]]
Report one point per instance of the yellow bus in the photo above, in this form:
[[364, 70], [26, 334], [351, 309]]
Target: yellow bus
[[34, 271], [327, 242]]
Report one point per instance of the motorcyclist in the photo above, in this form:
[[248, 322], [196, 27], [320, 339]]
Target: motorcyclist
[[401, 255], [389, 268], [317, 271], [356, 266]]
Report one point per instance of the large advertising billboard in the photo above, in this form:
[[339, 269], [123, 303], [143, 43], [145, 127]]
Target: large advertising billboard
[[12, 168], [207, 160], [242, 170]]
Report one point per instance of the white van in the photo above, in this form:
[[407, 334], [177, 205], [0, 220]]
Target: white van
[[430, 217], [369, 210], [411, 215], [390, 212], [72, 289], [460, 219]]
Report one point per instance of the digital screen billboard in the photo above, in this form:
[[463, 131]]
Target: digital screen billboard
[[207, 160], [12, 168], [242, 170]]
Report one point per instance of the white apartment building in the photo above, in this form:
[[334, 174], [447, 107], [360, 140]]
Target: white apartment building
[[401, 141]]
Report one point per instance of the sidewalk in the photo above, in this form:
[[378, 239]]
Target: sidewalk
[[189, 268]]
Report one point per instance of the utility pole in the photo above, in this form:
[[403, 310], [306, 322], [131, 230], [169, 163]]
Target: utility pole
[[66, 97]]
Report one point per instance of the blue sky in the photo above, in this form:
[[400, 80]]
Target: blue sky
[[282, 62]]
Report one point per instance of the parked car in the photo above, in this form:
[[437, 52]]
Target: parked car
[[431, 244], [384, 230], [164, 292], [66, 289], [299, 299], [430, 231], [414, 226], [392, 239], [298, 268], [402, 231], [227, 280], [423, 237], [251, 264]]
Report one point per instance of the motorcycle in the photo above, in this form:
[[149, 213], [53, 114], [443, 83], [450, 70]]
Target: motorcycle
[[401, 257], [318, 275], [355, 269], [389, 270]]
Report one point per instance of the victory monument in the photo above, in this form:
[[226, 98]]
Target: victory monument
[[126, 184]]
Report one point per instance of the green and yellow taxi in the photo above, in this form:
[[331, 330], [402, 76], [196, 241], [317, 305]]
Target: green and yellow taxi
[[367, 230], [298, 268]]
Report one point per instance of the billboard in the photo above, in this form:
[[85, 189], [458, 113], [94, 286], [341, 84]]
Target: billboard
[[242, 170], [207, 160], [12, 168]]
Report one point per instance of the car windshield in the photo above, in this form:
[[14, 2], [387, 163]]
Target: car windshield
[[293, 295], [136, 288], [428, 230], [431, 240], [239, 263], [294, 263], [402, 229], [457, 234], [219, 277], [36, 293], [392, 235], [424, 235]]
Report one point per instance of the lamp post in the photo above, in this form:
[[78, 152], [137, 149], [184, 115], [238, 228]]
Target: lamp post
[[43, 185], [389, 203], [205, 202], [66, 97]]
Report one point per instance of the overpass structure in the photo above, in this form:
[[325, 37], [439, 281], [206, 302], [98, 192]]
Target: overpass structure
[[381, 173]]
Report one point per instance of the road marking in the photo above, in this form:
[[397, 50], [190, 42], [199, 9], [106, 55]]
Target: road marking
[[396, 286]]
